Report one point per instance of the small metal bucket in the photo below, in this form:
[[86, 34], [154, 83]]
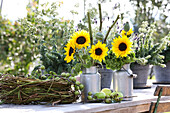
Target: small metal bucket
[[123, 81], [91, 80], [106, 76]]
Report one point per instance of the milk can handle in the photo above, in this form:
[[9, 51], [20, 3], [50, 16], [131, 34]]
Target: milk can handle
[[133, 75], [130, 75]]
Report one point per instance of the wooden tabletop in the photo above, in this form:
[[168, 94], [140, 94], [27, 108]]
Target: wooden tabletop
[[141, 103]]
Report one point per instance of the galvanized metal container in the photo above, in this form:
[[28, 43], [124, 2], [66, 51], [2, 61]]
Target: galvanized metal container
[[123, 81], [142, 71], [106, 76], [162, 75], [91, 80]]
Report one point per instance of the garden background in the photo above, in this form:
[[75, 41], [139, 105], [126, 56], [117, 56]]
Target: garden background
[[30, 31]]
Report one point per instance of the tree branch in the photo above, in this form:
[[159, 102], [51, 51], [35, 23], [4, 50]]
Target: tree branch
[[100, 16], [90, 30], [111, 28]]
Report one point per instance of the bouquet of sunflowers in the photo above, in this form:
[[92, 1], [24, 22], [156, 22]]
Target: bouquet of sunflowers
[[86, 56], [121, 52], [82, 49], [79, 46]]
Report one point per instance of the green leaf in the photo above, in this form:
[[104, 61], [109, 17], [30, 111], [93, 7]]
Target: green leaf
[[88, 65], [84, 57], [77, 56], [78, 67]]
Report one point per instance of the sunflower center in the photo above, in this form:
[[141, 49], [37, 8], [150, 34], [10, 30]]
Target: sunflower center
[[81, 40], [98, 51], [122, 46], [71, 51], [128, 35]]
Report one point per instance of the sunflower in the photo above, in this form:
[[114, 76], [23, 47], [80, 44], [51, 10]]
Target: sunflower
[[99, 51], [81, 39], [128, 34], [121, 46], [70, 50]]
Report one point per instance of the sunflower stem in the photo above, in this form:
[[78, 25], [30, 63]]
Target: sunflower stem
[[81, 60], [111, 28], [100, 16], [89, 22], [84, 52]]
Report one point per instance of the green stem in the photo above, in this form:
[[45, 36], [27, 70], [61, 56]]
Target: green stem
[[90, 30], [110, 28], [100, 16], [81, 60]]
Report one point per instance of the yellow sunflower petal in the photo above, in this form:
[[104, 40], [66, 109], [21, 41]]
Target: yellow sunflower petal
[[70, 50], [121, 46], [98, 51], [81, 39], [129, 32], [123, 33]]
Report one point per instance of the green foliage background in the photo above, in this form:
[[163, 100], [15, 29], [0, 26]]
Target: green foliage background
[[20, 41]]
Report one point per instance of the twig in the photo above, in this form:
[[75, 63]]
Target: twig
[[19, 95], [19, 87], [24, 94], [27, 91], [111, 28], [50, 86], [56, 102], [90, 30], [100, 16]]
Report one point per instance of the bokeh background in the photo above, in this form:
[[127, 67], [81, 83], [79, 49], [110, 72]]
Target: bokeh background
[[29, 29]]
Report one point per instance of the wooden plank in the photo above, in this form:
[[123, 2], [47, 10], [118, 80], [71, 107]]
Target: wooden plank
[[131, 109], [164, 106], [135, 106], [166, 90]]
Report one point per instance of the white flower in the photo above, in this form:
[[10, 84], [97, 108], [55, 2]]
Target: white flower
[[10, 58], [141, 35], [142, 30], [25, 55], [144, 24], [16, 54]]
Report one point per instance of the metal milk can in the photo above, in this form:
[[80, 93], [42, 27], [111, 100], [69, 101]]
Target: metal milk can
[[123, 81], [91, 80]]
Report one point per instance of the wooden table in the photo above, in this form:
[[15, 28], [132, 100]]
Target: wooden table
[[141, 103]]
